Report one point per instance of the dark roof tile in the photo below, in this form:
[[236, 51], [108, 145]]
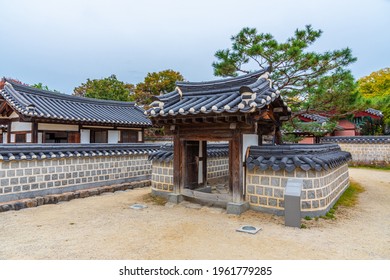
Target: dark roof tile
[[43, 104], [244, 94], [289, 157]]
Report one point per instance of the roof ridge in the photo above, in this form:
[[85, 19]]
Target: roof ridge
[[220, 81], [64, 96]]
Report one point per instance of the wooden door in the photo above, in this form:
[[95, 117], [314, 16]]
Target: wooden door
[[73, 137], [191, 164]]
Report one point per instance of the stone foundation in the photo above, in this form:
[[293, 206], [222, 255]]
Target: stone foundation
[[55, 198]]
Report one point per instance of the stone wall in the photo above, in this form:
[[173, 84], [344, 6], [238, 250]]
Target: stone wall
[[59, 170], [365, 150], [217, 167], [162, 176], [265, 189], [162, 172]]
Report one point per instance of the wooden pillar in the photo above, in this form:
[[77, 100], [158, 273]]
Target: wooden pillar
[[178, 154], [34, 133], [205, 163], [9, 132], [236, 167]]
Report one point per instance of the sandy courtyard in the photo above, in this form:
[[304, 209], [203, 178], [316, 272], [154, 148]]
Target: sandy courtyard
[[104, 227]]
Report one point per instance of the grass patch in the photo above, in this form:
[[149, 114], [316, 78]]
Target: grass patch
[[385, 168], [308, 218], [348, 199], [350, 196], [158, 200]]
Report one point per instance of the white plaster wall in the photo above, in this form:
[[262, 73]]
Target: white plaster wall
[[28, 137], [85, 136], [4, 137], [139, 136], [248, 140], [20, 126], [40, 138], [113, 136]]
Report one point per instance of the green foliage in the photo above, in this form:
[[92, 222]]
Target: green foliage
[[156, 83], [109, 88], [334, 95], [295, 70], [43, 87], [375, 88], [377, 84], [295, 127]]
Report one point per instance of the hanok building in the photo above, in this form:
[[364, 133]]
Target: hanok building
[[291, 180], [237, 110], [30, 115]]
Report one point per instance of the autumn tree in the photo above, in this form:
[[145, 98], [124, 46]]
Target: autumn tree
[[377, 84], [375, 88], [295, 70], [109, 88], [156, 83]]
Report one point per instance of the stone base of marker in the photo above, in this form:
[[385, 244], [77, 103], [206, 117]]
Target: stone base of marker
[[175, 198], [237, 208]]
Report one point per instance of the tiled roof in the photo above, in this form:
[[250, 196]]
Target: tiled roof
[[39, 151], [289, 157], [320, 119], [357, 139], [32, 102], [244, 94], [315, 117], [165, 153], [374, 112]]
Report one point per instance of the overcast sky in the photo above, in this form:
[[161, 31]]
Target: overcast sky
[[62, 43]]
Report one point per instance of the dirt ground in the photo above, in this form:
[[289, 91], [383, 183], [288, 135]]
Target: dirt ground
[[104, 227]]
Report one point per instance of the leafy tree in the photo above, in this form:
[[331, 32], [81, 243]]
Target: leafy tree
[[377, 84], [109, 88], [44, 87], [375, 88], [295, 70], [156, 83], [334, 96]]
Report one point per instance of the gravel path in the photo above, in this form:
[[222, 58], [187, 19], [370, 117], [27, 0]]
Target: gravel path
[[104, 227]]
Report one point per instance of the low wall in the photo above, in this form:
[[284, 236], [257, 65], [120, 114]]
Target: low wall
[[28, 171], [365, 150], [322, 168], [265, 189]]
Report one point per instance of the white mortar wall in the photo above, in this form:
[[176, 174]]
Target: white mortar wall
[[139, 136], [4, 137], [85, 136]]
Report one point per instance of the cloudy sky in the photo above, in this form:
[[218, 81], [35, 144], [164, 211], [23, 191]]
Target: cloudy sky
[[62, 43]]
